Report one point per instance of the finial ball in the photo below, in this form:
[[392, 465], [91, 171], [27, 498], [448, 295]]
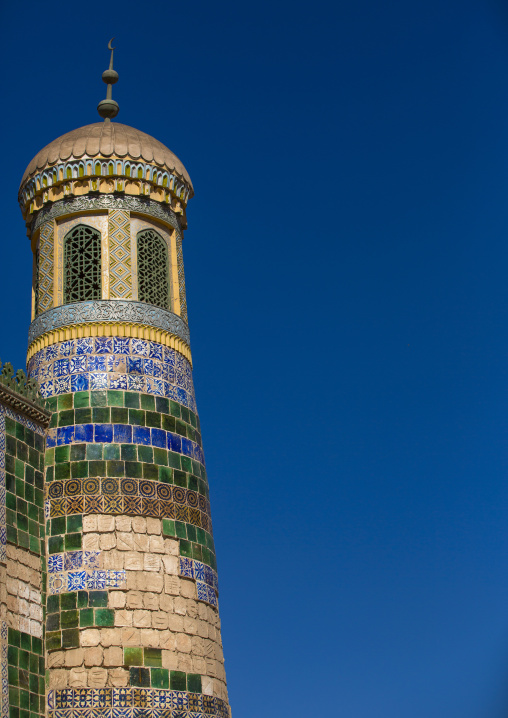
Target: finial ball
[[108, 108], [110, 77]]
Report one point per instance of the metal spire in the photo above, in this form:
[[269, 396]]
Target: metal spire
[[108, 108]]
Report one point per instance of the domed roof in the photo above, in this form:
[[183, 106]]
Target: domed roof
[[106, 139]]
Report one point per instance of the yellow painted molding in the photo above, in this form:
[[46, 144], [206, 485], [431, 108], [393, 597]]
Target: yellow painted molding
[[109, 329]]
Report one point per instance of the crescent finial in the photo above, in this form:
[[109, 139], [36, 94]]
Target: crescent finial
[[109, 44]]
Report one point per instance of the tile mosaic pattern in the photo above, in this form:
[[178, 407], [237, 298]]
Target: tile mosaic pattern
[[113, 363], [120, 263], [133, 497], [46, 263], [25, 676], [133, 702]]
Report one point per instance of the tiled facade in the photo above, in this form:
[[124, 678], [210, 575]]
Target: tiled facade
[[109, 585]]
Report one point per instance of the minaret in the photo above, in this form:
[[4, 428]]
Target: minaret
[[131, 594]]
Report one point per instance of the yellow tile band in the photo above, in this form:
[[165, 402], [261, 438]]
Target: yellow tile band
[[109, 329]]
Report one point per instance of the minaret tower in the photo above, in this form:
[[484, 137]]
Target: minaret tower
[[132, 628]]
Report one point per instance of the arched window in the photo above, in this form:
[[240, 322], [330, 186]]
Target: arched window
[[153, 285], [82, 264]]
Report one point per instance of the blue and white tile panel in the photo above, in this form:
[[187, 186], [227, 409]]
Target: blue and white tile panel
[[97, 363], [80, 570], [206, 578]]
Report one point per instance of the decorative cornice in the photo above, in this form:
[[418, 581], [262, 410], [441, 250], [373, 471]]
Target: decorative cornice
[[112, 329], [24, 406], [109, 311], [73, 205]]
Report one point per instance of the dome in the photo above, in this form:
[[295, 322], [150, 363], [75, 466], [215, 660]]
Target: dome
[[106, 139]]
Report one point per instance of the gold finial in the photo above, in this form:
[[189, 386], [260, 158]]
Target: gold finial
[[108, 108]]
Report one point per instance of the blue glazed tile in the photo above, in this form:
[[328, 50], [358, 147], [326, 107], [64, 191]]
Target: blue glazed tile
[[61, 367], [209, 578], [136, 383], [55, 562], [138, 346], [212, 598], [186, 567], [181, 395], [84, 433], [157, 370], [98, 381], [202, 591], [169, 356], [174, 442], [134, 365], [77, 364], [91, 559], [65, 435], [46, 389], [122, 697], [159, 438], [180, 700], [51, 437], [96, 579], [84, 346], [67, 348], [97, 363], [158, 387], [73, 559], [199, 571], [156, 351], [149, 366], [186, 446], [103, 433], [141, 435], [118, 381], [116, 363], [76, 580], [104, 345], [62, 385], [121, 345], [79, 382], [51, 353], [123, 433]]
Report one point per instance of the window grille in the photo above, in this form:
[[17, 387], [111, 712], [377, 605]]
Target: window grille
[[82, 259], [153, 285]]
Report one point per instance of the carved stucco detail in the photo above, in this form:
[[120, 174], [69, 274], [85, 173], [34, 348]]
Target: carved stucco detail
[[107, 201], [109, 311]]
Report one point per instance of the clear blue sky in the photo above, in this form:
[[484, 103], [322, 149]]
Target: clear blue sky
[[346, 263]]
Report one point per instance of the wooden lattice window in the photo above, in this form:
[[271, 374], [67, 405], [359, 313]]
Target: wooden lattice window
[[82, 259], [153, 285]]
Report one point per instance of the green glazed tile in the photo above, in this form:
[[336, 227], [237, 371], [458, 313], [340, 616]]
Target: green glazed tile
[[101, 415], [98, 598], [129, 452], [66, 418], [147, 402], [81, 399], [152, 657], [136, 417], [78, 452], [131, 400], [174, 408], [133, 469], [74, 523], [79, 469], [178, 681], [119, 415], [168, 527], [139, 677], [153, 419], [194, 682], [159, 678], [145, 454], [65, 402], [115, 398], [111, 451], [68, 601], [83, 416], [132, 656], [98, 398], [73, 541], [94, 451], [86, 617]]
